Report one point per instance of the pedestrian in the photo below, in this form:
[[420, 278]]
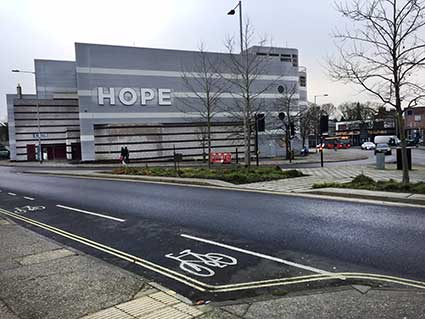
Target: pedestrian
[[122, 155], [127, 155]]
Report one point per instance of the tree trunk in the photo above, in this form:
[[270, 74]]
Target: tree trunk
[[404, 161], [247, 142], [209, 142]]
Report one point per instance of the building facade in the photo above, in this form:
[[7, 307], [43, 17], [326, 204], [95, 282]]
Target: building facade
[[114, 96], [415, 122]]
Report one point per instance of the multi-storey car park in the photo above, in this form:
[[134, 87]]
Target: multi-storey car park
[[115, 96]]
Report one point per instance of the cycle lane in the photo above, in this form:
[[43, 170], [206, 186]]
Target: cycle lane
[[150, 248]]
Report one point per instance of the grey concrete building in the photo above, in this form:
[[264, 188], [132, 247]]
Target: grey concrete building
[[114, 96]]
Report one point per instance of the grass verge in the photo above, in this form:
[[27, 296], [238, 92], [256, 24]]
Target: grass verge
[[231, 174], [365, 182]]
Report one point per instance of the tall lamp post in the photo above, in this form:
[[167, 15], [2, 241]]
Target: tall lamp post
[[39, 150], [231, 13]]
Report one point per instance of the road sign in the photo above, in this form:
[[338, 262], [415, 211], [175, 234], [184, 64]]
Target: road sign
[[35, 135], [225, 158]]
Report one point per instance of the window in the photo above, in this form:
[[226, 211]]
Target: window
[[273, 54], [303, 81], [261, 53], [294, 60], [285, 58], [409, 112], [417, 118]]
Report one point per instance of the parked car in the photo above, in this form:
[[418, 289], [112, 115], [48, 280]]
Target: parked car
[[383, 148], [391, 140], [368, 146], [4, 152], [412, 142]]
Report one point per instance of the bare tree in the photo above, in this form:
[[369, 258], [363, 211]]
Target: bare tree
[[329, 109], [246, 67], [356, 111], [383, 53], [207, 87]]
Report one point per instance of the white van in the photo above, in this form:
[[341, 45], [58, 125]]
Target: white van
[[391, 140]]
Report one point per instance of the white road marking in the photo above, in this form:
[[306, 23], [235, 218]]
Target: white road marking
[[12, 194], [29, 198], [249, 252], [91, 213]]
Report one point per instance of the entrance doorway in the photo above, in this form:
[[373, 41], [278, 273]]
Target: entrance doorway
[[55, 151], [31, 154], [76, 151]]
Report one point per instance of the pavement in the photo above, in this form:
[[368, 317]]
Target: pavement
[[339, 174], [331, 156]]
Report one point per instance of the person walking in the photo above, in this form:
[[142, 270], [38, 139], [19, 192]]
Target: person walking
[[127, 155], [122, 155]]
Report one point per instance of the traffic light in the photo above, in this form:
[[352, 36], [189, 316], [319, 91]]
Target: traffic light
[[324, 124], [261, 122]]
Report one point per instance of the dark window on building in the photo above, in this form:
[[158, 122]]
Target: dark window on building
[[409, 112], [303, 81], [285, 58], [294, 60], [273, 54], [261, 53]]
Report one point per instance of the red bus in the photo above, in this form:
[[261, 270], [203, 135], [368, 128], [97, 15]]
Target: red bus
[[337, 142]]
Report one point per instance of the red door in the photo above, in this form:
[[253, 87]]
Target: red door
[[59, 151], [31, 152]]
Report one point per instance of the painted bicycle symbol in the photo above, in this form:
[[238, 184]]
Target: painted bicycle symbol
[[199, 264], [27, 209]]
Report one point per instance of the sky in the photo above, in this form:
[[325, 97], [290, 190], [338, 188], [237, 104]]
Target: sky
[[48, 29]]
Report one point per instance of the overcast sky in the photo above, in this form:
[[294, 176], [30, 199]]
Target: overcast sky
[[47, 29]]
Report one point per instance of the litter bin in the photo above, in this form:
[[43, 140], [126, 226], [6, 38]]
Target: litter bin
[[380, 160], [409, 159]]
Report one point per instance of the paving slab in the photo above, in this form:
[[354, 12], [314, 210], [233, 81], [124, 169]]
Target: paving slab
[[383, 304], [45, 256], [54, 282]]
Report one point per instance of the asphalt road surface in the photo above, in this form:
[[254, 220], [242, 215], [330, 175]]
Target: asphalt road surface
[[209, 243]]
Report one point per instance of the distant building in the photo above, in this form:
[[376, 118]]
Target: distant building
[[114, 96], [415, 122], [358, 132], [4, 134]]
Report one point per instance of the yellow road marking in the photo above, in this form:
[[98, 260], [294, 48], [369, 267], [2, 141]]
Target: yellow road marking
[[215, 288]]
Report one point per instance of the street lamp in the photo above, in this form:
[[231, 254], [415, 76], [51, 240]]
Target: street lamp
[[320, 95], [39, 150], [231, 13]]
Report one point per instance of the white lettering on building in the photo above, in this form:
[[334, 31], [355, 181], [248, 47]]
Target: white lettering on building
[[102, 96], [146, 95], [164, 96], [129, 96]]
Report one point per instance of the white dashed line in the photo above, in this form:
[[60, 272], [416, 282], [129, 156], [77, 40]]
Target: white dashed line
[[11, 194], [249, 252], [29, 198], [91, 213]]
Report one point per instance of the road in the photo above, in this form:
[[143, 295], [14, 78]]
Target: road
[[230, 238]]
